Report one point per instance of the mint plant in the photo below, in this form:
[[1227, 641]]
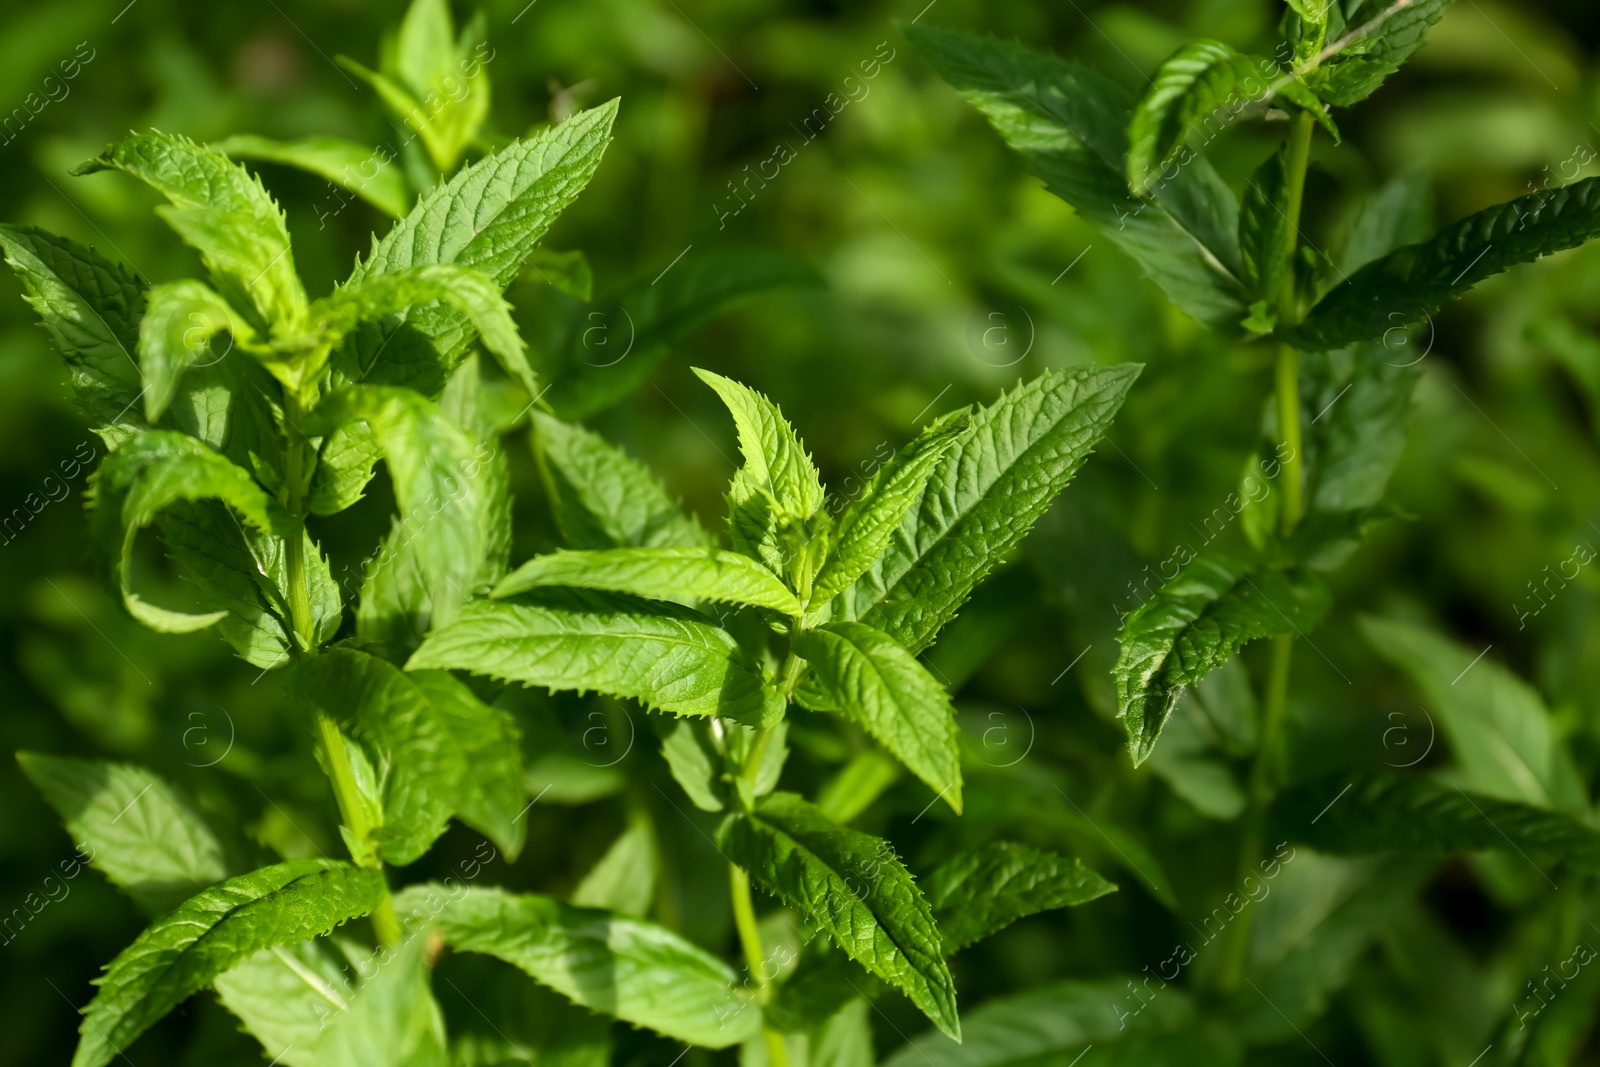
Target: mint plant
[[237, 409], [1242, 266]]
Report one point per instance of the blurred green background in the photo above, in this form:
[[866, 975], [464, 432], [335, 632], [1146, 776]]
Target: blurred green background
[[948, 274]]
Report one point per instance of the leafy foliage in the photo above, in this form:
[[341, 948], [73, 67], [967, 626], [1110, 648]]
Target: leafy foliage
[[329, 474], [852, 886], [131, 825], [1195, 624], [185, 949], [637, 971]]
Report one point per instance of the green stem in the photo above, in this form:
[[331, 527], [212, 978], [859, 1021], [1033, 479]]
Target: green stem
[[295, 478], [1288, 370], [354, 816], [1287, 389], [744, 918]]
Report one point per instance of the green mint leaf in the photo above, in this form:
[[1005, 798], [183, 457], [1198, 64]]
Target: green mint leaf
[[853, 886], [467, 291], [604, 498], [657, 574], [183, 951], [1422, 816], [1069, 124], [1320, 919], [91, 309], [776, 464], [1409, 284], [634, 970], [180, 320], [1195, 624], [1264, 228], [244, 573], [1054, 1023], [982, 892], [869, 523], [1314, 12], [370, 173], [285, 995], [392, 1020], [624, 880], [876, 683], [610, 349], [434, 558], [489, 217], [1360, 60], [566, 272], [669, 660], [1399, 213], [694, 760], [1505, 740], [220, 209], [985, 494], [446, 751], [434, 82], [149, 473], [845, 1038], [1204, 88], [1361, 404], [132, 826]]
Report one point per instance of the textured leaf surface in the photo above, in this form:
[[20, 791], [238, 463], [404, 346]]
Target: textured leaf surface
[[985, 494], [853, 886], [1421, 816], [672, 661], [221, 209], [1200, 91], [1051, 1024], [132, 826], [639, 972], [1506, 741], [604, 498], [392, 1020], [489, 217], [91, 309], [180, 320], [876, 683], [447, 752], [657, 574], [465, 290], [284, 996], [775, 461], [147, 474], [1374, 49], [1264, 228], [357, 168], [180, 953], [1069, 124], [1409, 284], [434, 554], [1195, 624], [694, 761], [981, 892], [869, 523]]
